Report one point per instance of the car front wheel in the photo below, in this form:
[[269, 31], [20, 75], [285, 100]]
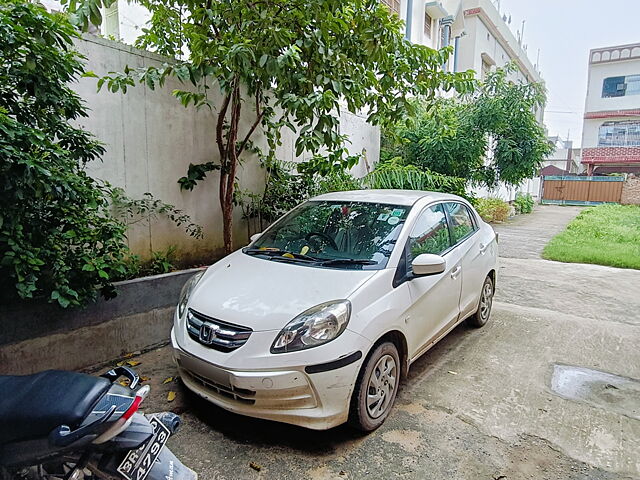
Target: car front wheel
[[376, 388]]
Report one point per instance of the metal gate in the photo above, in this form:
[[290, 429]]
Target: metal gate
[[561, 190]]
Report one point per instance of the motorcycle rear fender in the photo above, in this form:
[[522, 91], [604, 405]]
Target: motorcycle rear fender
[[168, 467], [138, 432]]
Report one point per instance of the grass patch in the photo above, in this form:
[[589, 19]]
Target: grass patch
[[603, 235]]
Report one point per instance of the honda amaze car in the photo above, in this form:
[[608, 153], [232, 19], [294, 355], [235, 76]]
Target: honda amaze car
[[315, 322]]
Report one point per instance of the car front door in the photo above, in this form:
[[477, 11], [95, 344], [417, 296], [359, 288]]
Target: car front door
[[435, 298], [471, 252]]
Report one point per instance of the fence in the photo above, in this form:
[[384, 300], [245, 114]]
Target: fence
[[573, 190]]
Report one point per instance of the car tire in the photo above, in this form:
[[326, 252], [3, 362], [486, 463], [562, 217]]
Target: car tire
[[376, 388], [481, 317]]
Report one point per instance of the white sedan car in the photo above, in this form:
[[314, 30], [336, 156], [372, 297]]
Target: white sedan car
[[315, 322]]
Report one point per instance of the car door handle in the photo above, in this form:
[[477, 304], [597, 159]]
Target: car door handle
[[483, 247], [455, 272]]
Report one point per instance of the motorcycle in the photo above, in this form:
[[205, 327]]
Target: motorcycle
[[73, 426]]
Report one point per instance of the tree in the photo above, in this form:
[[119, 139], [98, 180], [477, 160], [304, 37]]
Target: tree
[[489, 136], [281, 63], [442, 138], [57, 239]]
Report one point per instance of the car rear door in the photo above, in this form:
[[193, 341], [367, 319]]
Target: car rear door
[[469, 249], [435, 298]]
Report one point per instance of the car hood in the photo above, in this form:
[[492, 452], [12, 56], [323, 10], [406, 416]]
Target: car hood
[[264, 294]]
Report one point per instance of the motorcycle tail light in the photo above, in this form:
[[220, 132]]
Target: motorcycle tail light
[[141, 394]]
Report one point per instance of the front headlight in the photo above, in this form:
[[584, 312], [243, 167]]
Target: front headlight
[[314, 327], [186, 292]]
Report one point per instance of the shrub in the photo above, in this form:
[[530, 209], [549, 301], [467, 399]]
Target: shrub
[[492, 209], [57, 237], [393, 174], [523, 203]]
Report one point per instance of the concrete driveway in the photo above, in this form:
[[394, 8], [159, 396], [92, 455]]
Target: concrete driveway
[[480, 405]]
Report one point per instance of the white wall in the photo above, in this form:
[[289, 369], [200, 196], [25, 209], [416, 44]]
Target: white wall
[[151, 139], [597, 74], [487, 33], [531, 186]]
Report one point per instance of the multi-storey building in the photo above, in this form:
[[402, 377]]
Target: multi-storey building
[[479, 33], [611, 129]]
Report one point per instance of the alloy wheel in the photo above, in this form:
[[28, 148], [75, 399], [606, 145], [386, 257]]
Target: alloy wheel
[[486, 300], [382, 384]]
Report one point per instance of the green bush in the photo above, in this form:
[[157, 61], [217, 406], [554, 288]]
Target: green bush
[[523, 203], [392, 174], [492, 209], [62, 233], [57, 237]]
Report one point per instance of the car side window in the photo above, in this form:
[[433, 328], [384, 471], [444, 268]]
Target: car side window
[[462, 224], [430, 234]]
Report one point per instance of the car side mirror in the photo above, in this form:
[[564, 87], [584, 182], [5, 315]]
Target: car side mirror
[[255, 236], [428, 264]]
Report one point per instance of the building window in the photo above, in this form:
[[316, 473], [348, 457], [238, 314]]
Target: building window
[[486, 68], [621, 86], [619, 134], [428, 21], [394, 5]]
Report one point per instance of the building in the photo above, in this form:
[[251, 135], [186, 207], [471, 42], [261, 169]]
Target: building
[[565, 160], [611, 129], [480, 34]]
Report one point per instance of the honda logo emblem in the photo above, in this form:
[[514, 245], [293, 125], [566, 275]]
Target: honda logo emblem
[[208, 333]]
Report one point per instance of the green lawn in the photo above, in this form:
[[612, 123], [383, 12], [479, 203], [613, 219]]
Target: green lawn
[[604, 235]]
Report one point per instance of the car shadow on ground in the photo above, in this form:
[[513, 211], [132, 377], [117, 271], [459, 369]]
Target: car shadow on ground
[[265, 433]]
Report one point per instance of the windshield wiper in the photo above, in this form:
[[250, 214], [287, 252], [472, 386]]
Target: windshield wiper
[[347, 261], [279, 253]]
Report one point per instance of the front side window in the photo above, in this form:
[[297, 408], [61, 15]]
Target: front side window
[[619, 134], [621, 86], [462, 224], [430, 233], [334, 234]]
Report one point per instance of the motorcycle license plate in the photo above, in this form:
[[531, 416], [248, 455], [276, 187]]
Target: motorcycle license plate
[[138, 463]]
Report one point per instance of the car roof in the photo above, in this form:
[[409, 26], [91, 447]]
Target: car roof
[[394, 197]]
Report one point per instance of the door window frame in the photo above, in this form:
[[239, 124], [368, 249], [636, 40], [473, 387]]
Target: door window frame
[[474, 223], [402, 270]]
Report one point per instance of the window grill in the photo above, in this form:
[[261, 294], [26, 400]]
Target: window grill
[[394, 5], [428, 22]]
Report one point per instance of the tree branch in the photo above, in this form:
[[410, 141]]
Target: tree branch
[[219, 126], [259, 116]]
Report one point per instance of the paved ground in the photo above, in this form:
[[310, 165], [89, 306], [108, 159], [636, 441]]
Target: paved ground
[[477, 406]]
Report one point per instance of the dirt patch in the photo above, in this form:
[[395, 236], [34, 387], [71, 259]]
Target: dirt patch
[[409, 440]]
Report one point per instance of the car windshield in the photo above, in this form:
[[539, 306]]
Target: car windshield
[[355, 235]]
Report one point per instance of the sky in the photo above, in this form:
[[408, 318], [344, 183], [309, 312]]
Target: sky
[[565, 31]]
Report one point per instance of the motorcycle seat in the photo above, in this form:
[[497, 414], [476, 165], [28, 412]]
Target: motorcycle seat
[[31, 406]]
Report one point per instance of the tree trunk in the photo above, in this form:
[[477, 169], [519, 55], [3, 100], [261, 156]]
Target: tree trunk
[[229, 164], [227, 224]]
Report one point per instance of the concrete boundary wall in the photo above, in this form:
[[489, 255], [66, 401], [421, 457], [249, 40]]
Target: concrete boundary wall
[[41, 336], [631, 191], [150, 140]]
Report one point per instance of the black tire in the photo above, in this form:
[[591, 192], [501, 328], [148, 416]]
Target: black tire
[[482, 315], [360, 414]]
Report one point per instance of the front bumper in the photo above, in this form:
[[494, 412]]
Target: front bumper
[[318, 400]]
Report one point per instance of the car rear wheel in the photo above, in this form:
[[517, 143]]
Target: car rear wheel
[[376, 388], [480, 318]]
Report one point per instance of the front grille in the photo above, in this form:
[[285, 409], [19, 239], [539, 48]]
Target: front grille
[[238, 394], [216, 334]]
